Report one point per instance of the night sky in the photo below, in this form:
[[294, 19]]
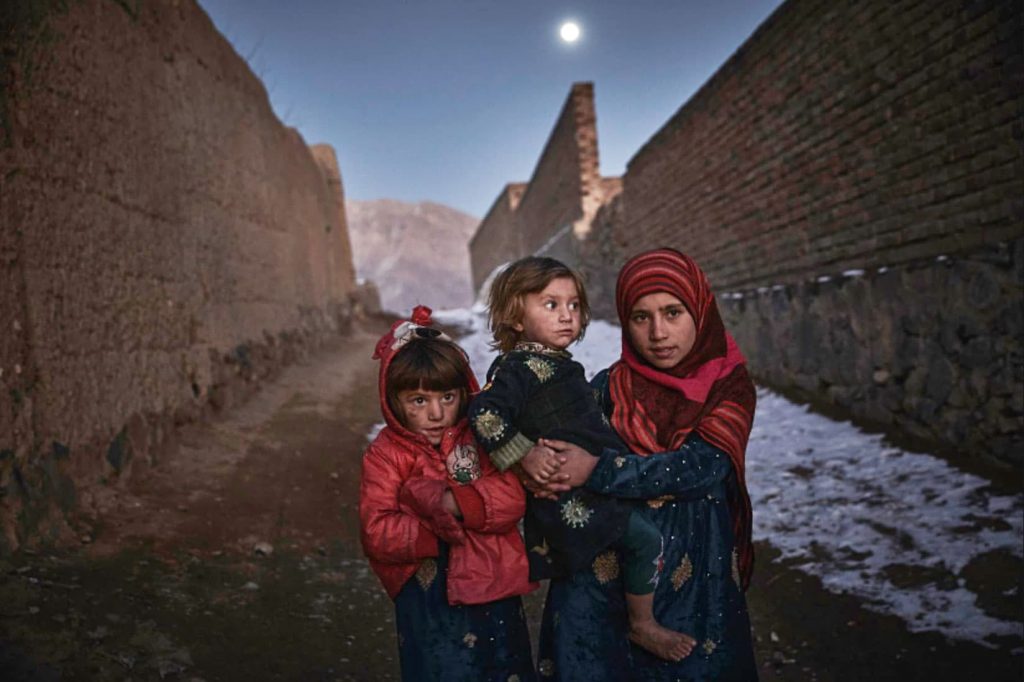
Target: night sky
[[447, 100]]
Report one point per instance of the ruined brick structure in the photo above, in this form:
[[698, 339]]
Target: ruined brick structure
[[851, 181], [553, 211], [166, 243]]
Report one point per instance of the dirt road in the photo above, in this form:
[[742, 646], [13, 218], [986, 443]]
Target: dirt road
[[239, 559]]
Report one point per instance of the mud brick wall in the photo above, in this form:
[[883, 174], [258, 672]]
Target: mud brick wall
[[497, 239], [851, 181], [166, 243]]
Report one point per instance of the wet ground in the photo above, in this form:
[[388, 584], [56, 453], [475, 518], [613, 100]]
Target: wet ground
[[239, 559]]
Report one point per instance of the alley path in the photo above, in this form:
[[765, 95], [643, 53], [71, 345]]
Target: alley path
[[239, 559]]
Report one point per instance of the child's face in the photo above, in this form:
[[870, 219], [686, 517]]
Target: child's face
[[429, 412], [552, 316]]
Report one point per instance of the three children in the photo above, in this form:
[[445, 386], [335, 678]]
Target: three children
[[435, 508]]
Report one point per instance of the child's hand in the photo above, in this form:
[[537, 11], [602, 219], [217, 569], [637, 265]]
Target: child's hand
[[576, 463], [540, 463], [535, 488]]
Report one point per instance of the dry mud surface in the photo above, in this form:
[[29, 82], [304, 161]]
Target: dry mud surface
[[239, 559]]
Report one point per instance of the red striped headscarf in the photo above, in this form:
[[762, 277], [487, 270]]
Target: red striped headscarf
[[708, 392]]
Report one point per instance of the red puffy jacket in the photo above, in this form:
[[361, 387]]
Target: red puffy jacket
[[491, 564]]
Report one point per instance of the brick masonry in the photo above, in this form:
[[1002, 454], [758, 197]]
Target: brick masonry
[[875, 137], [166, 244], [549, 214]]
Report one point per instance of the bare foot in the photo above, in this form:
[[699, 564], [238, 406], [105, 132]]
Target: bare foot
[[660, 641]]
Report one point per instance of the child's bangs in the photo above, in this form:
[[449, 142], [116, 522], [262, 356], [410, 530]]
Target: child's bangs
[[428, 365]]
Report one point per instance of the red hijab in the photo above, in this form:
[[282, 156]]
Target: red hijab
[[708, 392]]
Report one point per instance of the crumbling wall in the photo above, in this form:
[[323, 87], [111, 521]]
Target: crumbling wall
[[166, 244], [553, 211]]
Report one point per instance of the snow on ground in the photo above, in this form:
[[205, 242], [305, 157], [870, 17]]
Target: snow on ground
[[843, 505]]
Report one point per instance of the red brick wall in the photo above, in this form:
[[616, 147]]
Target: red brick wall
[[842, 134]]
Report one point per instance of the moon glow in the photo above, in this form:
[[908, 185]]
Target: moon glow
[[569, 32]]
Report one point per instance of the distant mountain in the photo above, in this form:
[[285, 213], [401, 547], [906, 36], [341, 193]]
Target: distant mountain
[[414, 253]]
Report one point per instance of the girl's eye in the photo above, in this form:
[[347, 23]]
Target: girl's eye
[[673, 312], [574, 306], [550, 305], [639, 317], [419, 400], [449, 397]]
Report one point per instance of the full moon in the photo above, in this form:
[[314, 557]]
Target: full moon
[[570, 32]]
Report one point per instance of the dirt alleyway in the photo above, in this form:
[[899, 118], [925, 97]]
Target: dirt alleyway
[[238, 558]]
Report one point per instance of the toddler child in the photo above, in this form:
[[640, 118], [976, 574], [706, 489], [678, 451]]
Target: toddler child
[[438, 520], [535, 389]]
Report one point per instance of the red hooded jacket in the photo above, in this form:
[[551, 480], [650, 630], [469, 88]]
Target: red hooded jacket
[[491, 564]]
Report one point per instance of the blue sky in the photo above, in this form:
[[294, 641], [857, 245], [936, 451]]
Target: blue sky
[[447, 100]]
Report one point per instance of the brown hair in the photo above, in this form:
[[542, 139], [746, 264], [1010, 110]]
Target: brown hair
[[508, 293], [429, 365]]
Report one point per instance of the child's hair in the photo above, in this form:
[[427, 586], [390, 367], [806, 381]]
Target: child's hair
[[508, 293], [429, 365]]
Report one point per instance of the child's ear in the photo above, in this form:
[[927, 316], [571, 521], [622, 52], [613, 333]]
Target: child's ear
[[518, 327]]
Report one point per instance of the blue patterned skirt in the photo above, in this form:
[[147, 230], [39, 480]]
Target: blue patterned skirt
[[438, 641]]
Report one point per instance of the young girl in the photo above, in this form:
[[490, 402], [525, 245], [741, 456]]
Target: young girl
[[537, 308], [439, 521]]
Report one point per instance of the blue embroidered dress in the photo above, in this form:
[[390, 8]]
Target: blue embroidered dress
[[583, 635], [440, 642]]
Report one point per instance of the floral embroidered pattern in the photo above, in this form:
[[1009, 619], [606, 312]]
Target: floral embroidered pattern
[[541, 367], [604, 418], [489, 425], [541, 549], [575, 513], [535, 347], [709, 646], [736, 568], [606, 567], [657, 502], [469, 640], [546, 667], [463, 463], [619, 461], [682, 573], [426, 573]]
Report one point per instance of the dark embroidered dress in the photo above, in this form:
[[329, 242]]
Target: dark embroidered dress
[[686, 494], [532, 394], [438, 641]]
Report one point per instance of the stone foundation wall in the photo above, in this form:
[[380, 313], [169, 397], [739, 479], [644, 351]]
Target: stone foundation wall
[[166, 244], [931, 348]]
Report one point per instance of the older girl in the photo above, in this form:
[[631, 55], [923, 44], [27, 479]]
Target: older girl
[[681, 398]]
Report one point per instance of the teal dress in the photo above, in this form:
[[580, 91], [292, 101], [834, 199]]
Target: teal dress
[[685, 494]]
